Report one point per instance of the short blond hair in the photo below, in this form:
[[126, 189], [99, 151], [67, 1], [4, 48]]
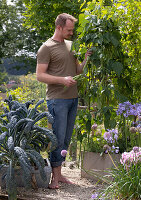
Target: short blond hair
[[62, 18]]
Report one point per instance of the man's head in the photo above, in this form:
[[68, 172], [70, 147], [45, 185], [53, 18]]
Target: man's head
[[65, 24]]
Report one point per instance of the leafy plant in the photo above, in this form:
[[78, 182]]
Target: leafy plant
[[126, 178], [109, 71], [21, 141]]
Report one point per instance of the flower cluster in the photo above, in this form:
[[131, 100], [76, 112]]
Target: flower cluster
[[96, 196], [132, 157], [111, 137], [63, 153], [128, 109], [94, 128]]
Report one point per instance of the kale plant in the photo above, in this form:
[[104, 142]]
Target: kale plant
[[22, 140]]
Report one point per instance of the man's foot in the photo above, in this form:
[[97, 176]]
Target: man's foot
[[53, 185], [62, 179]]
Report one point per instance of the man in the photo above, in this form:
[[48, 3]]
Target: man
[[56, 66]]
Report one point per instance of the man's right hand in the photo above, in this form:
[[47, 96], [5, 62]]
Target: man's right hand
[[68, 81]]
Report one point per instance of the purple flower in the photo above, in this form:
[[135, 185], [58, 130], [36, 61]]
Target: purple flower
[[94, 196], [139, 118], [116, 149], [106, 148], [94, 126], [139, 109], [107, 135], [116, 136], [128, 109], [111, 135], [136, 149], [63, 153], [133, 129]]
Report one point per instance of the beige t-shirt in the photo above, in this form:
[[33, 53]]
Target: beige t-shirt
[[61, 62]]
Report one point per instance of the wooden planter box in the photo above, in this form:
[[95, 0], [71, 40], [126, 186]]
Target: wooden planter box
[[18, 175], [95, 167]]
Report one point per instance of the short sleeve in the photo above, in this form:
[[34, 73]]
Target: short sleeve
[[43, 55]]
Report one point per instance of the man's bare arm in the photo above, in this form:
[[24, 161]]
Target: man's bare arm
[[80, 66], [43, 76]]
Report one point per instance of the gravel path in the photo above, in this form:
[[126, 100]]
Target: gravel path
[[81, 190]]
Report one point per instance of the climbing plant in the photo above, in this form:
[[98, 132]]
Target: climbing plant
[[109, 73]]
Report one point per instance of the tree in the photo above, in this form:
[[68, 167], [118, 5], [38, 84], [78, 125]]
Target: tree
[[16, 42], [27, 24], [41, 14]]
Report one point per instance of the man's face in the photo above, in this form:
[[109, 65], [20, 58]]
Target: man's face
[[67, 30]]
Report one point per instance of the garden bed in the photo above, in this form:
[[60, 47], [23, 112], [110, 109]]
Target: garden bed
[[94, 166]]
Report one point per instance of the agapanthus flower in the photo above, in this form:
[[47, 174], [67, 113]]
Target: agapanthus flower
[[106, 148], [127, 109], [123, 108], [139, 118], [133, 129], [94, 126], [139, 109], [111, 137], [139, 128], [94, 196], [136, 149], [107, 135], [63, 153], [116, 149]]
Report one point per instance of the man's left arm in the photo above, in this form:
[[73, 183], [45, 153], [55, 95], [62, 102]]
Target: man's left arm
[[80, 66]]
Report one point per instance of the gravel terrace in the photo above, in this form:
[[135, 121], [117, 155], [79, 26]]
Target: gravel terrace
[[81, 190]]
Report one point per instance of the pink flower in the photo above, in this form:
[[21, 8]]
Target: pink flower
[[63, 153], [132, 157]]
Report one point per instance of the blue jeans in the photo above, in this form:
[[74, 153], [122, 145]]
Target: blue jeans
[[64, 114]]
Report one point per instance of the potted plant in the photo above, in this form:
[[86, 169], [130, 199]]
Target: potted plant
[[21, 141]]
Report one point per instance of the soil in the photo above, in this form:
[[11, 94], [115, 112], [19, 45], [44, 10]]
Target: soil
[[81, 190]]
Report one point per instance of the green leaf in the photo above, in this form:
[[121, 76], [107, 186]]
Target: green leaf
[[88, 125], [117, 67], [112, 123], [105, 109], [114, 41]]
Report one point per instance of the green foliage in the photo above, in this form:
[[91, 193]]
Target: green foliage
[[37, 89], [89, 140], [3, 89], [109, 76], [21, 140], [41, 15], [9, 22], [109, 71], [125, 183], [16, 42]]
